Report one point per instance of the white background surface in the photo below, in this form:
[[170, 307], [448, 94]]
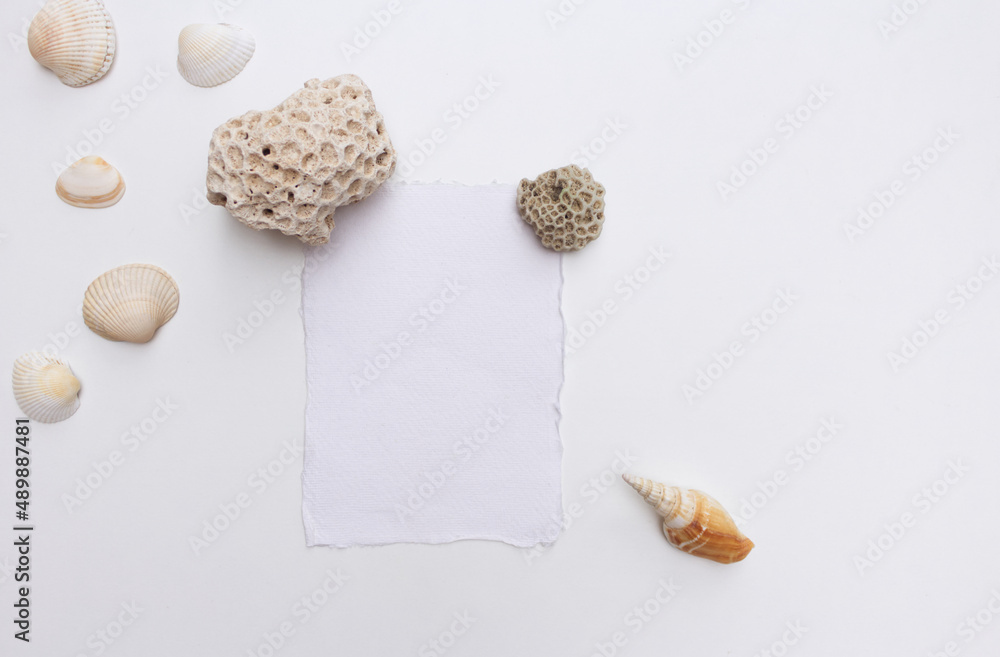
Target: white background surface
[[558, 86]]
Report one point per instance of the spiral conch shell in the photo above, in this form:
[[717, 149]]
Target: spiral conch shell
[[75, 39], [128, 303], [44, 387], [694, 522]]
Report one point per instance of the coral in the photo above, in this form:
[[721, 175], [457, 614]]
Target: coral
[[565, 207], [289, 168]]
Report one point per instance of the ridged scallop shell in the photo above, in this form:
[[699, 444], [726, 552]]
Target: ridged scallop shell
[[128, 303], [44, 387], [694, 522], [90, 183], [75, 39], [210, 54]]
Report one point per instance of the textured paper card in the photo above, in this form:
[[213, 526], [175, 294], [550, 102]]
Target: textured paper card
[[434, 345]]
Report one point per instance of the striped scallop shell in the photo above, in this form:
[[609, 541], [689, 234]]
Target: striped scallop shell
[[128, 303], [44, 387], [210, 54], [90, 183], [694, 522], [75, 39]]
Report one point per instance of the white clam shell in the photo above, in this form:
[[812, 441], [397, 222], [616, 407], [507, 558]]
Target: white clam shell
[[45, 388], [129, 303], [75, 39], [210, 54], [90, 183]]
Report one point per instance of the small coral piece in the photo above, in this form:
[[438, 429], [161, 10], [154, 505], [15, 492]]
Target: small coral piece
[[289, 168], [565, 207]]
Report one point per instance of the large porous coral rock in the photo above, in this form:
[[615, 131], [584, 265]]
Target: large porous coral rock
[[291, 167], [565, 207]]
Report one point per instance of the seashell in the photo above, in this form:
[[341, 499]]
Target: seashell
[[128, 303], [694, 522], [75, 39], [210, 54], [45, 388], [90, 183]]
